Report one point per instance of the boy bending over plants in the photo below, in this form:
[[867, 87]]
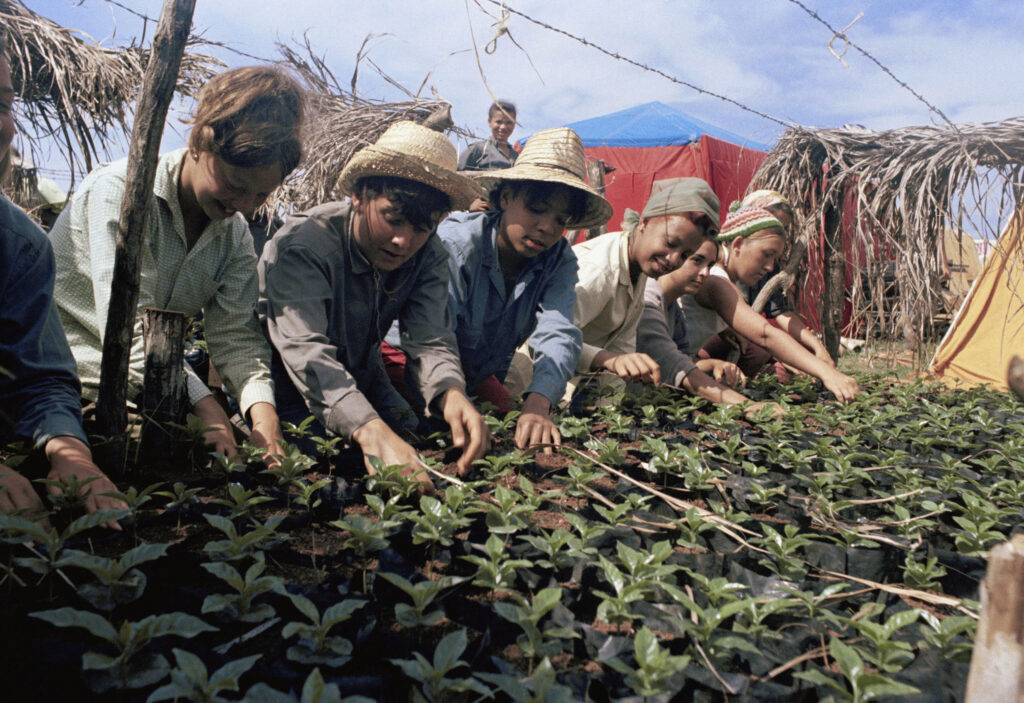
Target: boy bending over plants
[[615, 267], [334, 279], [513, 277], [198, 253], [39, 390]]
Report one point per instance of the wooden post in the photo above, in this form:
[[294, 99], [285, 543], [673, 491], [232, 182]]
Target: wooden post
[[163, 385], [150, 113], [997, 664], [595, 174], [835, 280]]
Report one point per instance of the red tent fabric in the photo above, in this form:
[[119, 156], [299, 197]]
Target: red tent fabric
[[728, 168]]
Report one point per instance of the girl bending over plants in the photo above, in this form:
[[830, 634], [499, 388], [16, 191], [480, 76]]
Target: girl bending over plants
[[198, 252], [752, 240], [662, 332]]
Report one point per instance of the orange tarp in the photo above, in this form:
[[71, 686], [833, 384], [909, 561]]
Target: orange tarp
[[989, 328]]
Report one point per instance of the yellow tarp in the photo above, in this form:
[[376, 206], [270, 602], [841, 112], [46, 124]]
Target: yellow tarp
[[989, 328]]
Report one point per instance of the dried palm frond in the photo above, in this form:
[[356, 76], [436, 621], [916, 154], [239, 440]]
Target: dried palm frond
[[898, 189], [76, 91], [338, 124]]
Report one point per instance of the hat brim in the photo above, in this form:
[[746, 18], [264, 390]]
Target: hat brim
[[375, 161], [597, 212]]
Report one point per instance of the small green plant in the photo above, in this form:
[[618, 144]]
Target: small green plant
[[129, 668], [559, 548], [423, 594], [316, 644], [70, 494], [239, 604], [239, 545], [436, 523], [52, 540], [952, 635], [888, 654], [365, 536], [299, 431], [607, 451], [191, 681], [389, 480], [432, 675], [120, 581], [501, 427], [926, 575], [785, 548], [861, 684], [541, 687], [179, 498], [535, 642], [314, 690], [240, 501], [655, 666], [511, 513], [496, 571]]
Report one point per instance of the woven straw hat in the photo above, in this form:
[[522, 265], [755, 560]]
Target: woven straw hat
[[554, 156], [414, 152]]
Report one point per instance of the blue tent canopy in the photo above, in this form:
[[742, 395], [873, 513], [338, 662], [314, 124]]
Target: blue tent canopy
[[651, 124]]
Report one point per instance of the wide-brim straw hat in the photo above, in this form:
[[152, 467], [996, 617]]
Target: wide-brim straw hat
[[417, 153], [554, 156]]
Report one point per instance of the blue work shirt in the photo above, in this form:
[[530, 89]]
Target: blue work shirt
[[490, 325], [40, 396]]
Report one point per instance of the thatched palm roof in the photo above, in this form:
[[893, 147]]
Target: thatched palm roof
[[76, 91], [903, 186], [339, 123]]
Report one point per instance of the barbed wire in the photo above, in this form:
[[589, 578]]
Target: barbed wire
[[645, 67], [841, 33]]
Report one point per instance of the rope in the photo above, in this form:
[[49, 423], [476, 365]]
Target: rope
[[620, 57]]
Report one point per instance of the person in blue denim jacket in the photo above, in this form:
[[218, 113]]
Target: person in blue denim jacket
[[40, 396], [513, 277]]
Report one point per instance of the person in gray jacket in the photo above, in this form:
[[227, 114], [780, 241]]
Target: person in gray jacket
[[333, 280]]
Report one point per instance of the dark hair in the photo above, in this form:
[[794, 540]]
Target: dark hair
[[251, 116], [501, 105], [422, 205], [781, 208], [537, 193]]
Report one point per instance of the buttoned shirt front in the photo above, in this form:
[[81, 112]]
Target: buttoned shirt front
[[216, 276], [326, 309], [608, 303], [39, 391], [490, 324]]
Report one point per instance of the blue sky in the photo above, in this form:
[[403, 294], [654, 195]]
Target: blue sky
[[964, 57]]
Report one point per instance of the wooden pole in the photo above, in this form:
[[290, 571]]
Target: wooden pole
[[997, 664], [835, 280], [595, 174], [163, 384], [150, 113]]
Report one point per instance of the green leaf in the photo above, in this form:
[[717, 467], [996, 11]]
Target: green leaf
[[646, 647], [69, 617], [875, 686], [179, 624], [226, 677], [546, 600], [846, 657], [306, 607], [449, 649], [340, 612], [142, 554], [314, 690]]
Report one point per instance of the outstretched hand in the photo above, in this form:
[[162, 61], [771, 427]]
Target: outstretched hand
[[469, 430], [535, 426]]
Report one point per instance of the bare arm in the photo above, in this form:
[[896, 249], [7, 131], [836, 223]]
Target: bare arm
[[722, 296]]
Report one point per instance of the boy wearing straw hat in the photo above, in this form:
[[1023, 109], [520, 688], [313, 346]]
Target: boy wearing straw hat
[[513, 277], [334, 279]]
